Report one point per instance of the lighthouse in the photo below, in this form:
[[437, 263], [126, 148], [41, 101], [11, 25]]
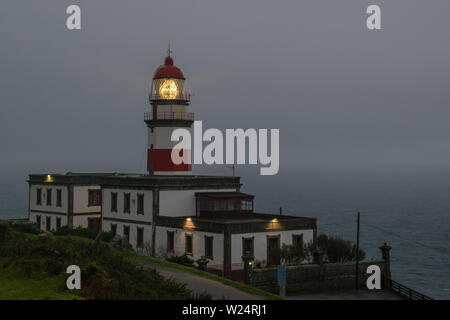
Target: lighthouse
[[168, 103]]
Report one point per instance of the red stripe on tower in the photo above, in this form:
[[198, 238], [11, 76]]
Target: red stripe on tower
[[161, 159]]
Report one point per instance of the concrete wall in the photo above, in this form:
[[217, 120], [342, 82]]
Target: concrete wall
[[314, 277], [82, 221], [43, 210], [43, 207], [43, 226], [148, 204], [198, 244], [181, 202], [81, 199]]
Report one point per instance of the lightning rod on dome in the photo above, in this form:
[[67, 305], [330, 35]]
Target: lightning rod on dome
[[168, 50]]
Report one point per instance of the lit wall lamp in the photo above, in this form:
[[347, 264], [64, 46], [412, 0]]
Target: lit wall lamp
[[272, 223], [189, 224], [49, 178]]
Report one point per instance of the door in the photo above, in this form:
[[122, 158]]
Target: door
[[94, 223], [273, 250]]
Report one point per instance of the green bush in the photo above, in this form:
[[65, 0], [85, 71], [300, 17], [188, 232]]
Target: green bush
[[84, 233], [26, 227], [4, 230], [183, 260], [291, 254], [337, 249]]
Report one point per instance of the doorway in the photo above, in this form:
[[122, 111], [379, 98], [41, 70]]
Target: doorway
[[273, 250]]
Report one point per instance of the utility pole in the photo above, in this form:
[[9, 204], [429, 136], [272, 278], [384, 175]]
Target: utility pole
[[357, 254]]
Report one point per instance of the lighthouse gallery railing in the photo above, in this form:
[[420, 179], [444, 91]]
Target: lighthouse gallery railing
[[169, 116]]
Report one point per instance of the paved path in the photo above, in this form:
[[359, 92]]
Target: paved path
[[199, 285]]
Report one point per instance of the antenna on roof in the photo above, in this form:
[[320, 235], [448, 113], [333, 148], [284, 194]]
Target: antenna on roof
[[168, 50], [232, 167]]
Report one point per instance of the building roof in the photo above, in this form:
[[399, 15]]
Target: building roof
[[257, 223], [223, 195], [138, 180], [168, 70]]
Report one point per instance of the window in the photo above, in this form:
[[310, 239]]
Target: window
[[297, 240], [126, 203], [220, 205], [170, 241], [113, 202], [188, 244], [58, 223], [48, 223], [247, 205], [140, 238], [234, 205], [126, 233], [49, 197], [59, 198], [95, 198], [247, 246], [140, 204], [114, 229], [38, 222], [205, 204], [209, 247], [39, 196]]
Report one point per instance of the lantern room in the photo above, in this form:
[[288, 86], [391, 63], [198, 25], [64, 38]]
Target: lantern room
[[168, 85], [224, 204]]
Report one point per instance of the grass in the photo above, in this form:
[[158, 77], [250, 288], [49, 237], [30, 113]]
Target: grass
[[45, 285], [15, 287], [238, 285], [34, 268]]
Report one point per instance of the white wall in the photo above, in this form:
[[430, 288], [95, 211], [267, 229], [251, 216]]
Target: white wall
[[106, 226], [260, 243], [198, 245], [83, 220], [180, 203], [43, 206], [81, 199], [148, 204], [53, 217]]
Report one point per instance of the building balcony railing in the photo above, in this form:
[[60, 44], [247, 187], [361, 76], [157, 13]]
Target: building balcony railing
[[148, 116]]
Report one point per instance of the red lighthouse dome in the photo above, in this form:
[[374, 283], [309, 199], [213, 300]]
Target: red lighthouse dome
[[168, 70], [168, 85]]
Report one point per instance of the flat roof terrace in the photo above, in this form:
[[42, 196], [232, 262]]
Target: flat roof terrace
[[260, 222]]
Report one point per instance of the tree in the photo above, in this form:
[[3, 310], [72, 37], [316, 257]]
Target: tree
[[337, 249], [291, 254]]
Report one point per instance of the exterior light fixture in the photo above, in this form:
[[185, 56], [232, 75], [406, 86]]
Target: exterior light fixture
[[188, 219], [49, 178]]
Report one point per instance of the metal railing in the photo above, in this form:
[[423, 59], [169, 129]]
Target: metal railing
[[406, 292], [179, 97], [169, 116]]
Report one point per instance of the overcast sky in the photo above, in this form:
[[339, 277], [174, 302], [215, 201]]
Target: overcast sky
[[342, 96]]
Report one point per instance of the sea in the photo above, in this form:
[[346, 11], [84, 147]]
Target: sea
[[410, 211]]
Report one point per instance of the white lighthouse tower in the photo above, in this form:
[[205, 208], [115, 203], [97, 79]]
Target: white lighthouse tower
[[168, 102]]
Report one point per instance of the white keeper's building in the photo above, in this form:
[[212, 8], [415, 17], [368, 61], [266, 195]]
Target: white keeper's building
[[168, 211]]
